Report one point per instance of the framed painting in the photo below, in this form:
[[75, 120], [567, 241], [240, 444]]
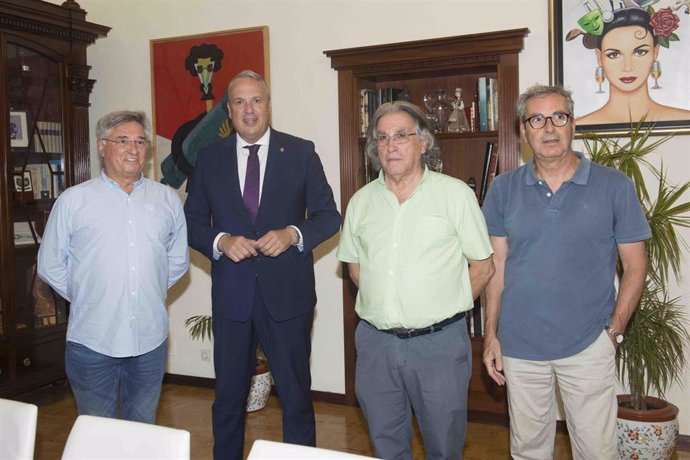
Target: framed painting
[[19, 133], [623, 60], [190, 76]]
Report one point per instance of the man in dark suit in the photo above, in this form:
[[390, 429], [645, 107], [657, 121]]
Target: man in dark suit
[[258, 204]]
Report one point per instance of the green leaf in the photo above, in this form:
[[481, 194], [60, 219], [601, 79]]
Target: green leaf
[[200, 327]]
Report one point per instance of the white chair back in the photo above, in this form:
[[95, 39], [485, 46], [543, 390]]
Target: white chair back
[[94, 438], [18, 429], [271, 450]]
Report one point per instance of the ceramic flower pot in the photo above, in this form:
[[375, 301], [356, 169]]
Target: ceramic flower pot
[[647, 434]]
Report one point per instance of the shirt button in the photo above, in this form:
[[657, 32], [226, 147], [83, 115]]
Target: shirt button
[[541, 183], [391, 272], [133, 293], [133, 269], [548, 194]]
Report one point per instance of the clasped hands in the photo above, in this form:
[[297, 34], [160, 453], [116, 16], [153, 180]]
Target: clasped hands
[[272, 244]]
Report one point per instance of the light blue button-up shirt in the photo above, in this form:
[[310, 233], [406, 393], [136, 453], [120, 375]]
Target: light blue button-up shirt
[[113, 256]]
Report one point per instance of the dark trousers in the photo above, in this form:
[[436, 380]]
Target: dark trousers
[[427, 375], [287, 345]]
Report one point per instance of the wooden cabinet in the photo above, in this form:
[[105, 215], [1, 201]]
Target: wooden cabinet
[[423, 66], [44, 127]]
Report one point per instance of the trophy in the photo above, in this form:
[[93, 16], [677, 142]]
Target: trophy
[[438, 109]]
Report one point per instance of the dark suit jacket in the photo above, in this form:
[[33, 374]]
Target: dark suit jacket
[[294, 192]]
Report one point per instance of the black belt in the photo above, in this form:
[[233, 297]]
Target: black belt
[[402, 333]]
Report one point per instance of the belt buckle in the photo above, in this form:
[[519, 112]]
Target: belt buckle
[[401, 332]]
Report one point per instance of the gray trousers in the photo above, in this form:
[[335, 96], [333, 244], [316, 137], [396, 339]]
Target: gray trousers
[[428, 375]]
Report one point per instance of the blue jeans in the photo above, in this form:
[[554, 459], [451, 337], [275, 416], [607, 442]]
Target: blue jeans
[[98, 380]]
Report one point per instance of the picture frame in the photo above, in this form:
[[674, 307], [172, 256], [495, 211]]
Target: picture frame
[[190, 75], [22, 186], [612, 107], [22, 182], [19, 132]]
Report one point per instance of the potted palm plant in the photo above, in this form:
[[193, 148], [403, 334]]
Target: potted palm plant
[[653, 354], [201, 327]]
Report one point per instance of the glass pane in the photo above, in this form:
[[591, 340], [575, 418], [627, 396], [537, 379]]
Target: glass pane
[[34, 84]]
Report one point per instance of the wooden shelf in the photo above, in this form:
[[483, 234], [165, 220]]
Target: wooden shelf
[[425, 65], [46, 80]]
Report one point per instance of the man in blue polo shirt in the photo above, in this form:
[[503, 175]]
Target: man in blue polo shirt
[[558, 225]]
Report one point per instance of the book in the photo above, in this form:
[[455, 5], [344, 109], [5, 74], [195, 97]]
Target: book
[[482, 104], [57, 174], [493, 94], [493, 170], [490, 168], [490, 105]]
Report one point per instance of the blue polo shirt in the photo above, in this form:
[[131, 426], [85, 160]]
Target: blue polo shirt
[[559, 288]]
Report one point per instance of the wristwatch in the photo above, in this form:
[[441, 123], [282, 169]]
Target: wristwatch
[[617, 336]]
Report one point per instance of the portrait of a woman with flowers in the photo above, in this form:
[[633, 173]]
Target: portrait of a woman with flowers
[[629, 43]]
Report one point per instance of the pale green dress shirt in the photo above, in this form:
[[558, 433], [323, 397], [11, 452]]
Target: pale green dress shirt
[[413, 256]]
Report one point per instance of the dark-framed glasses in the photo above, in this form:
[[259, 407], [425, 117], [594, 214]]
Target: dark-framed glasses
[[398, 138], [558, 119], [122, 142]]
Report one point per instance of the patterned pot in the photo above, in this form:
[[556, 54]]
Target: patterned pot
[[260, 389], [647, 434]]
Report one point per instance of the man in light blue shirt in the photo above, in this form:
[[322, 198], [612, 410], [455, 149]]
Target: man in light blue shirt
[[112, 247]]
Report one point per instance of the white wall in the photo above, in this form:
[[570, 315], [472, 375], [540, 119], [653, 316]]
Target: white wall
[[304, 96]]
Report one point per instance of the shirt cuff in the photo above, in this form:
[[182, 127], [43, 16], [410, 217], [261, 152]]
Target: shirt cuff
[[216, 253], [300, 242]]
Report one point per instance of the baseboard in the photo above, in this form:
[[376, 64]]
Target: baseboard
[[206, 382], [189, 380]]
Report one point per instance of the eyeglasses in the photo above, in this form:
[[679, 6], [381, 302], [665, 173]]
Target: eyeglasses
[[558, 119], [398, 138], [122, 142]]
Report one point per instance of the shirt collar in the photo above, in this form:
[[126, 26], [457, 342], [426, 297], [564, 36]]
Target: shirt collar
[[579, 177], [382, 177], [113, 183], [264, 140]]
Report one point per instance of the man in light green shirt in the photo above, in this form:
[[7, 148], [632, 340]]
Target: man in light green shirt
[[417, 248]]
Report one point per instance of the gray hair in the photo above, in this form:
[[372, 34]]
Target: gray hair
[[541, 91], [431, 157], [108, 122], [254, 76]]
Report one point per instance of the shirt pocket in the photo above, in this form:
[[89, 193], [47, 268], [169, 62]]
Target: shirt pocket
[[159, 225], [433, 230]]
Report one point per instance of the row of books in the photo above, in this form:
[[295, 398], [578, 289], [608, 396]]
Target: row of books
[[370, 100], [48, 137], [487, 104], [39, 181]]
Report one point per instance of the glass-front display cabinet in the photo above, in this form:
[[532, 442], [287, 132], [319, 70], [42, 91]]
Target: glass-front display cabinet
[[44, 93]]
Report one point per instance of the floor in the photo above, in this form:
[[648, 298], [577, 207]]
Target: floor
[[338, 427]]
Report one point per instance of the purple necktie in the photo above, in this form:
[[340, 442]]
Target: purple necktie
[[250, 196]]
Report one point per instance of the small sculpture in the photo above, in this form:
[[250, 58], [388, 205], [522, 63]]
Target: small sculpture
[[457, 123]]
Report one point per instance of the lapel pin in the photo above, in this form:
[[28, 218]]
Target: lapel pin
[[282, 150]]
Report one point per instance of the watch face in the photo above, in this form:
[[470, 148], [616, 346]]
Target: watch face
[[619, 338]]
